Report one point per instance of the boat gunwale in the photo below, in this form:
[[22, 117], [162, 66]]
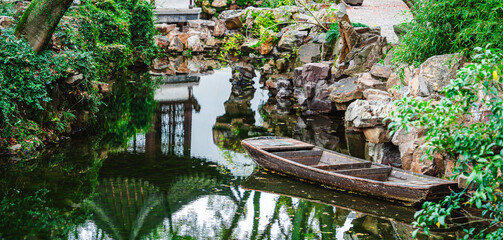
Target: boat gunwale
[[370, 181]]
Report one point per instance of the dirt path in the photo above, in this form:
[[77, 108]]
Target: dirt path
[[383, 13]]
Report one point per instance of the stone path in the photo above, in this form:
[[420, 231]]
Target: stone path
[[383, 13]]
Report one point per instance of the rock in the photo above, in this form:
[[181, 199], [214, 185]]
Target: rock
[[406, 142], [309, 53], [267, 69], [176, 45], [377, 95], [74, 78], [365, 114], [164, 28], [393, 80], [286, 43], [161, 63], [434, 74], [310, 90], [284, 93], [381, 71], [433, 167], [284, 84], [366, 81], [297, 80], [350, 38], [219, 3], [245, 71], [312, 72], [267, 46], [354, 2], [377, 135], [161, 41], [212, 42], [220, 28], [250, 46], [385, 153], [233, 22], [344, 90], [198, 23], [6, 22], [209, 10], [194, 44]]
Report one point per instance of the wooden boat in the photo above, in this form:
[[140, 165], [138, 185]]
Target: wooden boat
[[340, 171]]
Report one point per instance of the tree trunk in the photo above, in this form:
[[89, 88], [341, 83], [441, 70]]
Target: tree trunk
[[40, 20]]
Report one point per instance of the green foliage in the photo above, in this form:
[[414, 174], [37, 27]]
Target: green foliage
[[143, 31], [128, 109], [31, 216], [465, 126], [231, 46], [96, 39], [6, 9], [245, 2], [450, 26], [276, 3], [333, 34], [27, 83]]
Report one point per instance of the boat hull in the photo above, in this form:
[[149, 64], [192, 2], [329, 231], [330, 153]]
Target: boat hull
[[406, 194]]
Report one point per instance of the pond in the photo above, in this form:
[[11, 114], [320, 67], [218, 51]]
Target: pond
[[181, 173]]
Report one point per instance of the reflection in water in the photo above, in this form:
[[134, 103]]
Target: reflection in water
[[180, 177]]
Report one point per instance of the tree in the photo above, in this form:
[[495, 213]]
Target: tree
[[40, 20]]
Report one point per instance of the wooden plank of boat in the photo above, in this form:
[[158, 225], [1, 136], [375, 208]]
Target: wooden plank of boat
[[345, 172]]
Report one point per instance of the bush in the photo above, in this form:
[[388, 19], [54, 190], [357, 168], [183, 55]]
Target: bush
[[27, 81], [465, 126], [450, 26]]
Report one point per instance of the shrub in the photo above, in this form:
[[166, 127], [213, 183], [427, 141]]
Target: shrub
[[27, 81], [450, 26], [465, 126]]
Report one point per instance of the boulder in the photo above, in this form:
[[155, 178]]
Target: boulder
[[6, 22], [380, 71], [233, 22], [212, 42], [366, 81], [431, 167], [345, 90], [312, 72], [377, 135], [164, 28], [384, 153], [286, 43], [267, 46], [393, 80], [199, 23], [220, 29], [309, 53], [249, 46], [162, 41], [377, 95], [243, 71], [176, 45], [366, 114], [194, 44], [219, 3], [297, 80], [209, 10], [434, 74]]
